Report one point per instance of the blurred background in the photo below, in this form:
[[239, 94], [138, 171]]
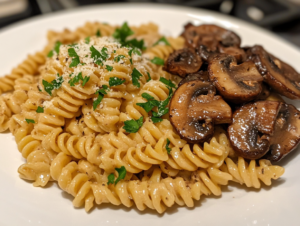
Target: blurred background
[[279, 16]]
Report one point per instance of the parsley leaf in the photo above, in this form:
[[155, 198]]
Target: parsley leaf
[[109, 68], [135, 51], [158, 61], [40, 109], [75, 59], [111, 179], [132, 126], [135, 77], [100, 93], [104, 53], [85, 80], [149, 77], [55, 84], [30, 121], [167, 82], [122, 173], [98, 33], [76, 79], [118, 58], [162, 40], [135, 43], [167, 146], [122, 33], [115, 81], [56, 49], [87, 40], [150, 104], [156, 120], [97, 56]]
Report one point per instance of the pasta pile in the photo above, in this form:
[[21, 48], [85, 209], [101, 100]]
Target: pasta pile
[[81, 114]]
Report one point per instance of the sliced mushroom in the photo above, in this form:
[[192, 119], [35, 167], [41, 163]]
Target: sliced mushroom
[[194, 109], [236, 83], [265, 92], [287, 133], [201, 75], [251, 128], [182, 62], [210, 36], [283, 78]]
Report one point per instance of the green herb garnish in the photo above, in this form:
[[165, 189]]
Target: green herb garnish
[[55, 84], [122, 33], [75, 57], [158, 61], [150, 104], [40, 109], [87, 40], [30, 121], [132, 126], [109, 68], [56, 49], [101, 92], [135, 77], [98, 33], [111, 179], [167, 146], [77, 78], [115, 81], [162, 40], [167, 82], [122, 173], [149, 77], [97, 56], [118, 58]]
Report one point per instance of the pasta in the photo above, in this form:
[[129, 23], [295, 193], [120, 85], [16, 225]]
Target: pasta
[[90, 112]]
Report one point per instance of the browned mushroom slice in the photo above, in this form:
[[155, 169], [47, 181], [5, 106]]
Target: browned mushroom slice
[[236, 83], [210, 36], [287, 133], [283, 78], [238, 53], [194, 109], [201, 75], [265, 92], [251, 128], [182, 62]]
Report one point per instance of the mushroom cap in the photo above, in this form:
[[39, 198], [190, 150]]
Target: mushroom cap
[[182, 62], [287, 133], [200, 75], [251, 128], [210, 36], [194, 109], [236, 83], [283, 78]]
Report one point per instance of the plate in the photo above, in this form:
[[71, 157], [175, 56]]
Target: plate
[[22, 204]]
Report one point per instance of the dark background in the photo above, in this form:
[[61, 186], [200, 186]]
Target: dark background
[[280, 16]]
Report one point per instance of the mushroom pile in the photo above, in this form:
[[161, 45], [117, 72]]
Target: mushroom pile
[[237, 87]]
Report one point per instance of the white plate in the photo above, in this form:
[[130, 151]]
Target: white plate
[[22, 204]]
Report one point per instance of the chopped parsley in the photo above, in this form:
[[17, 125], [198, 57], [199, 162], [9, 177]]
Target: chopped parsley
[[56, 49], [135, 77], [75, 57], [135, 43], [40, 109], [101, 92], [98, 33], [158, 61], [167, 146], [156, 120], [115, 81], [118, 58], [168, 83], [150, 104], [135, 51], [149, 77], [77, 78], [162, 40], [30, 121], [73, 45], [132, 126], [55, 84], [122, 173], [111, 179], [122, 33], [109, 68], [97, 56], [87, 40]]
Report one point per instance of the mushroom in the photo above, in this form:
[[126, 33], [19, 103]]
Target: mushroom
[[286, 136], [209, 35], [236, 83], [251, 128], [194, 109], [201, 75], [283, 78], [182, 62]]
